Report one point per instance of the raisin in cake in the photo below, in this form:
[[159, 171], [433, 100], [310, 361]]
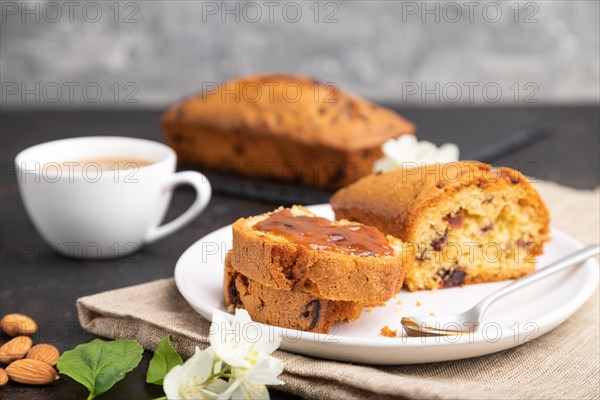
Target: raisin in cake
[[462, 223], [282, 127], [287, 309], [292, 249]]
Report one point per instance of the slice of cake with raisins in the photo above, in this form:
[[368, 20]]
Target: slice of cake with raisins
[[462, 223], [284, 308], [293, 249]]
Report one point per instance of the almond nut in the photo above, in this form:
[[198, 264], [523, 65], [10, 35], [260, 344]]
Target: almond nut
[[44, 352], [18, 324], [3, 377], [14, 349], [31, 372]]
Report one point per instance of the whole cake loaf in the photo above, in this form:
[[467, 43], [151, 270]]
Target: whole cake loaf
[[293, 249], [462, 223], [287, 309], [282, 127]]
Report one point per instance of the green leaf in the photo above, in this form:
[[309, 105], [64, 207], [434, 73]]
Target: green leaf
[[164, 358], [98, 365]]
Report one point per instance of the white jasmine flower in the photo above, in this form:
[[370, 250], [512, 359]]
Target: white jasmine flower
[[192, 379], [241, 343], [408, 150], [246, 347], [249, 383], [240, 352]]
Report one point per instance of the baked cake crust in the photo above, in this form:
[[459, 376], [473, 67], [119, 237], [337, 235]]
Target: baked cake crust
[[278, 263], [432, 206], [282, 127], [287, 309]]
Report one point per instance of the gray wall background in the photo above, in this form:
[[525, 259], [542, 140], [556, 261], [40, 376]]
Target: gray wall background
[[157, 51]]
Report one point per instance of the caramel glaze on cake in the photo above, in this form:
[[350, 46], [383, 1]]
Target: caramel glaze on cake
[[282, 127], [320, 234], [462, 223], [287, 309], [338, 260]]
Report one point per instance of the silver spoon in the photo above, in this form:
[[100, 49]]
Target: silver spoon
[[468, 321]]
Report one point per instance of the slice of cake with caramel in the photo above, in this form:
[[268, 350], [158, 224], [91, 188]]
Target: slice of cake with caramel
[[284, 308], [463, 222], [293, 249]]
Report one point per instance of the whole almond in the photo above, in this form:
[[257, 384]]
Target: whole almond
[[31, 372], [44, 352], [3, 377], [18, 324], [15, 349]]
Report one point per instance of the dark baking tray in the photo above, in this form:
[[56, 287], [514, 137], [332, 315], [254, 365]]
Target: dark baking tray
[[283, 193], [286, 194]]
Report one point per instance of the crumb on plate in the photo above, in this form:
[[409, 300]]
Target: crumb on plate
[[387, 332]]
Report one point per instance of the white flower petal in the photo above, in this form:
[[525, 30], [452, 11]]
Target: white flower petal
[[234, 384], [266, 372], [407, 140], [449, 152], [385, 165], [186, 381], [242, 316], [407, 151], [389, 148], [219, 323], [242, 343], [172, 381], [199, 365], [250, 391], [227, 342], [268, 342], [218, 386]]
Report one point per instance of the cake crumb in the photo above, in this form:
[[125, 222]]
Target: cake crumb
[[397, 309], [231, 309], [387, 332], [432, 314], [419, 303], [399, 302], [369, 309]]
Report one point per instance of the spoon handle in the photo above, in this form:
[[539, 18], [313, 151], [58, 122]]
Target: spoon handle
[[566, 262]]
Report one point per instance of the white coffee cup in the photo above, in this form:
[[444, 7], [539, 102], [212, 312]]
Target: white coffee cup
[[86, 213]]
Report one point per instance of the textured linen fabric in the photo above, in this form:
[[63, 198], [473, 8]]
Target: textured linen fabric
[[563, 364]]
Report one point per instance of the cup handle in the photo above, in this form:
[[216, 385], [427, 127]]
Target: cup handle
[[203, 194]]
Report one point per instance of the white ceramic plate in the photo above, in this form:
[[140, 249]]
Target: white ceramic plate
[[512, 321]]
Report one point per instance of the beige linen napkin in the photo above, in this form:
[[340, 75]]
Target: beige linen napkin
[[563, 364]]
